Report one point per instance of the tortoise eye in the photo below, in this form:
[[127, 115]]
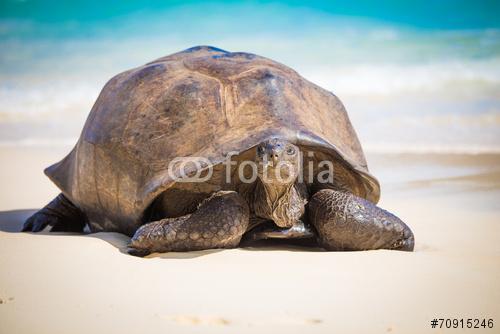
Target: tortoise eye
[[290, 151], [260, 149]]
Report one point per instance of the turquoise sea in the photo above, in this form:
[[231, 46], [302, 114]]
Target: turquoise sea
[[414, 76]]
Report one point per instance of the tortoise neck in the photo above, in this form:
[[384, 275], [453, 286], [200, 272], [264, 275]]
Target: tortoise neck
[[274, 191], [277, 202]]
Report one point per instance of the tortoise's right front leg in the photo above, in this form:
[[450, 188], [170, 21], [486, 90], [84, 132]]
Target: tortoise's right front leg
[[219, 222]]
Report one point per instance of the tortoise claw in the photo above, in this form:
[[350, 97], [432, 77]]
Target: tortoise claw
[[137, 252]]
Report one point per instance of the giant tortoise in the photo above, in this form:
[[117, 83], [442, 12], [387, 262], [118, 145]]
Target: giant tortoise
[[207, 148]]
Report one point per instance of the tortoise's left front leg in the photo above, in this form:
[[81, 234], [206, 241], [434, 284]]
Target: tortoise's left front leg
[[219, 222], [347, 222]]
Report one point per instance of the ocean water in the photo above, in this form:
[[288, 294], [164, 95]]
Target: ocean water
[[411, 80]]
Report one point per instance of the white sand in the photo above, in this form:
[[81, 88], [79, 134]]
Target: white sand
[[60, 283]]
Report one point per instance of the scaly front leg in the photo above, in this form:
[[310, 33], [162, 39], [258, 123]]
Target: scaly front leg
[[219, 222], [347, 222]]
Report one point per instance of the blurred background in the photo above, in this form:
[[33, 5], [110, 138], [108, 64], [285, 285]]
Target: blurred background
[[415, 76]]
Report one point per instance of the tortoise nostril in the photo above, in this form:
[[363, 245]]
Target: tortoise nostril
[[274, 157]]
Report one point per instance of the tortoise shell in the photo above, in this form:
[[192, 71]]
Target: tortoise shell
[[201, 102]]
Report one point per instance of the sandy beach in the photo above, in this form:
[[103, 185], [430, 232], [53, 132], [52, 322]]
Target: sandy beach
[[420, 82], [66, 283]]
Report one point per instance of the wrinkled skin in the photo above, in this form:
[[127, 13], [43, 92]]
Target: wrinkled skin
[[275, 206]]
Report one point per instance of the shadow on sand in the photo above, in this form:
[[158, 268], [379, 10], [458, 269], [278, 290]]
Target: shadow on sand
[[12, 222]]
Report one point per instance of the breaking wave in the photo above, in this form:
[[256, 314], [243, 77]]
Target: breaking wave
[[406, 89]]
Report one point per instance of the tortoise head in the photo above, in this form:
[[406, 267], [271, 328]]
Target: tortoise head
[[278, 161]]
